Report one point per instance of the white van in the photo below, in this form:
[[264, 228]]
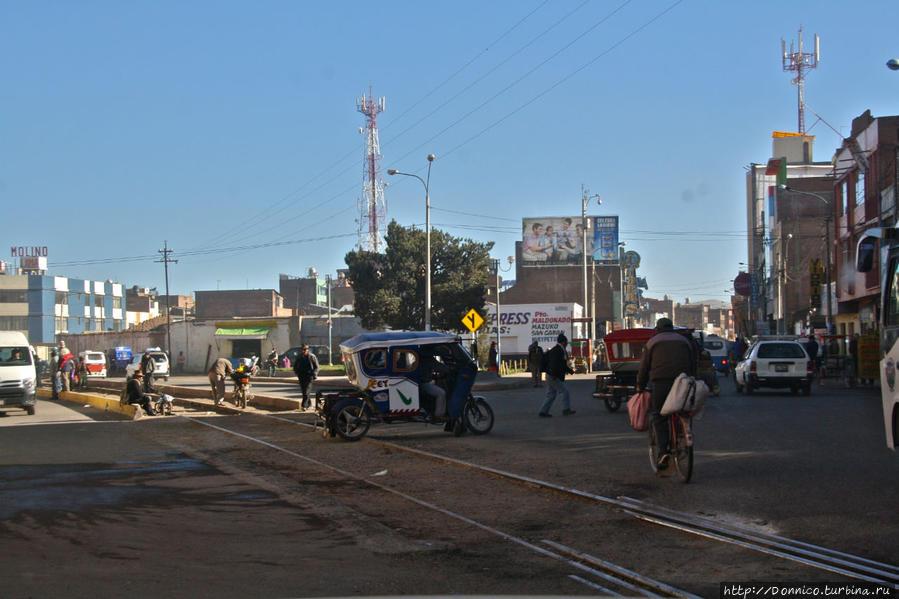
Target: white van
[[17, 372], [96, 363]]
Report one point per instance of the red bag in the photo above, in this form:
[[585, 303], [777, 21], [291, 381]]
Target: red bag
[[638, 411]]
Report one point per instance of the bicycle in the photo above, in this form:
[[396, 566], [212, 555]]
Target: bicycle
[[680, 435]]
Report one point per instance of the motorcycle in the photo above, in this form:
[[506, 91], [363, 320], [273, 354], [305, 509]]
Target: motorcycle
[[163, 404], [386, 369], [241, 379]]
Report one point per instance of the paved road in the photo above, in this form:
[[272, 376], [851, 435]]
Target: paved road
[[163, 506]]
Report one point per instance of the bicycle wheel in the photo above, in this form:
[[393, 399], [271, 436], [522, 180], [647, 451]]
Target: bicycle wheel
[[653, 450], [683, 447]]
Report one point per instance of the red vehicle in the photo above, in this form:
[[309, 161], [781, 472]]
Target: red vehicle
[[624, 349]]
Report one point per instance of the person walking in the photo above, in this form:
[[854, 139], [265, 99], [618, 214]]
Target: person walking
[[666, 355], [556, 369], [491, 358], [306, 369], [147, 368], [220, 369], [535, 357], [82, 373]]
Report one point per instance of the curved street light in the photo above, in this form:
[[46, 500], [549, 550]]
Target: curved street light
[[893, 64], [827, 223], [427, 184]]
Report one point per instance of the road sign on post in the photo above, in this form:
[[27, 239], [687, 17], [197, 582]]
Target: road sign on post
[[472, 320]]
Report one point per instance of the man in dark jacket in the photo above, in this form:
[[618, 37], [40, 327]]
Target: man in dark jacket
[[306, 369], [556, 369], [535, 357], [136, 395], [147, 368], [666, 355]]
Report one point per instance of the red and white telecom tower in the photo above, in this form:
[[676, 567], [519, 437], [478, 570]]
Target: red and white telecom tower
[[799, 62], [372, 208]]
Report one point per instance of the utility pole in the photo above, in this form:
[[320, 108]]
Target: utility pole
[[330, 354], [165, 251]]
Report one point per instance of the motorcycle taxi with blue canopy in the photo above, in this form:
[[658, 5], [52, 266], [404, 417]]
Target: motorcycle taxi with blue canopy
[[392, 373]]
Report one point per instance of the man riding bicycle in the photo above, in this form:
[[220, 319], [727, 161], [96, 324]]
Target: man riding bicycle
[[666, 355]]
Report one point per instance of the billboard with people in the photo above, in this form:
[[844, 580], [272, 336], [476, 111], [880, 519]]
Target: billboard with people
[[559, 241]]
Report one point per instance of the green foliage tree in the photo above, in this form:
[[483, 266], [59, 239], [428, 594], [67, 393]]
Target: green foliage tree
[[390, 287]]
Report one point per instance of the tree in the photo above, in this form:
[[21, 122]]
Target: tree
[[390, 287]]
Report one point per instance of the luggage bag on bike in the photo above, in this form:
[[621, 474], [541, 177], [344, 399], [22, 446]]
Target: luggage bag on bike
[[638, 410], [687, 394]]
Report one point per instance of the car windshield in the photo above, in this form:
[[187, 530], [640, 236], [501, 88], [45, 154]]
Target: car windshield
[[14, 356], [781, 350]]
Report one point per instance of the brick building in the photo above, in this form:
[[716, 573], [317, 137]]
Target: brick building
[[250, 303]]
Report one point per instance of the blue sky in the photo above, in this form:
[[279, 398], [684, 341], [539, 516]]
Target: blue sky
[[229, 130]]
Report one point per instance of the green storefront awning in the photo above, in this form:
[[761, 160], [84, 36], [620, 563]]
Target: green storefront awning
[[242, 332]]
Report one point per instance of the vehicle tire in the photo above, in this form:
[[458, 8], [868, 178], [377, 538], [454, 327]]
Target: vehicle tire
[[478, 416], [794, 389], [739, 386], [749, 388], [29, 410], [351, 420], [613, 403], [807, 389]]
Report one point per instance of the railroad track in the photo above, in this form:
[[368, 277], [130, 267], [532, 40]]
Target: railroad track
[[600, 575]]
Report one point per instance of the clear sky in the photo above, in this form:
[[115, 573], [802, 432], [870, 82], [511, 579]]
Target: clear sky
[[229, 129]]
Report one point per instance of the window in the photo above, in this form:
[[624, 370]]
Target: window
[[859, 188], [116, 303], [404, 360], [14, 356], [98, 301], [62, 324], [781, 350], [13, 323], [61, 298], [845, 204], [13, 296], [375, 359]]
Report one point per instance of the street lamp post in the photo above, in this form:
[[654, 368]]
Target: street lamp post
[[621, 245], [827, 224], [586, 197], [499, 340], [427, 184]]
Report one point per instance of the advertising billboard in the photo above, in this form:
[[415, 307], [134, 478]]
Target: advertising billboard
[[559, 240], [520, 324]]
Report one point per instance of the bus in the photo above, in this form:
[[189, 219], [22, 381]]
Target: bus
[[888, 241]]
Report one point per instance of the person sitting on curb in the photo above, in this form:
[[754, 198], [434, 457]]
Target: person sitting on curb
[[136, 395]]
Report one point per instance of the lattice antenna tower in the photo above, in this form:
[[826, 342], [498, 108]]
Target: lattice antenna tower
[[799, 62], [372, 207]]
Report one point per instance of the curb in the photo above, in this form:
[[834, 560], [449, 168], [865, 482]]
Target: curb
[[107, 404]]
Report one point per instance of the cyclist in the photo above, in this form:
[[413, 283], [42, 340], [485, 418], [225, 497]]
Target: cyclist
[[666, 355]]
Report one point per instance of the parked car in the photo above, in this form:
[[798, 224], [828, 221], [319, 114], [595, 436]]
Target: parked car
[[96, 363], [777, 362], [162, 364], [717, 348]]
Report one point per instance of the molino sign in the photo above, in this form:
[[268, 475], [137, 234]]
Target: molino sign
[[520, 324]]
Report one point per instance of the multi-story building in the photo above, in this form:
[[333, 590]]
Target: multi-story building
[[43, 306], [792, 158], [864, 191]]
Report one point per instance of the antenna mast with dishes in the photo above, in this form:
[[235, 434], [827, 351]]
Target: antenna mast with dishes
[[372, 207], [799, 62]]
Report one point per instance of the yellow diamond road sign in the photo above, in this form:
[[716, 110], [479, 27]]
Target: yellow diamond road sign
[[472, 320]]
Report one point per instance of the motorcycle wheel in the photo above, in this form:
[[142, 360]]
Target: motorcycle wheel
[[351, 420], [478, 416], [613, 403]]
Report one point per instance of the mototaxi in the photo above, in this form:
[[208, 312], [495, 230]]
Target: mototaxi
[[386, 371], [624, 350]]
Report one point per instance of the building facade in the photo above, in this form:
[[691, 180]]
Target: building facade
[[43, 306]]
